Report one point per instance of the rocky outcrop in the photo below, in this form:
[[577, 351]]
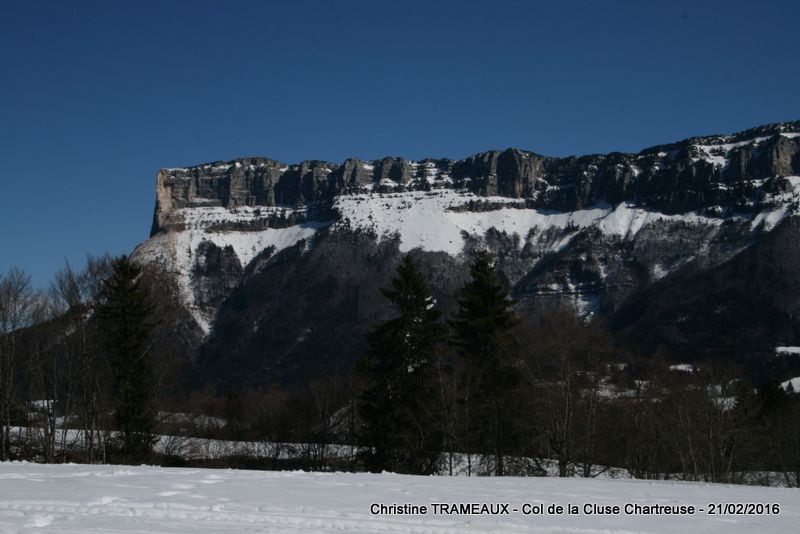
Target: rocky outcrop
[[512, 173], [716, 172], [217, 271]]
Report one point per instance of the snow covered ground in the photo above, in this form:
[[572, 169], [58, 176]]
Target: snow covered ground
[[86, 499]]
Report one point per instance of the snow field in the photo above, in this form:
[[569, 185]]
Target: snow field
[[91, 499], [427, 220]]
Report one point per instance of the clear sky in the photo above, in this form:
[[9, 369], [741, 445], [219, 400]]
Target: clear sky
[[95, 97]]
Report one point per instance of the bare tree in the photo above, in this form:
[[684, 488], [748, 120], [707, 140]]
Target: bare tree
[[786, 432], [75, 295], [44, 377], [15, 314], [640, 433], [554, 366], [317, 420], [702, 425], [566, 367]]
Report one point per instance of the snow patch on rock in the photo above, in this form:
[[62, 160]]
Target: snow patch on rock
[[176, 252]]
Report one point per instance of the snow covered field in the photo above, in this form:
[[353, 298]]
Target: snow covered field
[[87, 498]]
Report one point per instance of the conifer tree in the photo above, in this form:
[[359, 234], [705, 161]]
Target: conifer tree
[[396, 401], [125, 321], [481, 335]]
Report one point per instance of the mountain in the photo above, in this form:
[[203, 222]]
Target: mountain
[[279, 264]]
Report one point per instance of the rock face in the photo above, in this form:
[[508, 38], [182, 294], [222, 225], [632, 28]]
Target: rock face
[[272, 258], [695, 174]]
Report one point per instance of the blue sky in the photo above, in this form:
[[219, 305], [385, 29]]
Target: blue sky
[[95, 97]]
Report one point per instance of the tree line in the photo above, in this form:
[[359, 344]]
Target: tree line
[[555, 395], [82, 361], [90, 370]]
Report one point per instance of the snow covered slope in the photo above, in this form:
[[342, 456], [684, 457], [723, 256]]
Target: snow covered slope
[[183, 253], [436, 221], [84, 499], [439, 220]]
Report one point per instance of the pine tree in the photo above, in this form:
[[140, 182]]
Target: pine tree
[[125, 321], [396, 401], [481, 335]]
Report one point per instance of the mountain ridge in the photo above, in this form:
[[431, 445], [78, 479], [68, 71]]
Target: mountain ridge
[[769, 129], [590, 232], [691, 174]]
